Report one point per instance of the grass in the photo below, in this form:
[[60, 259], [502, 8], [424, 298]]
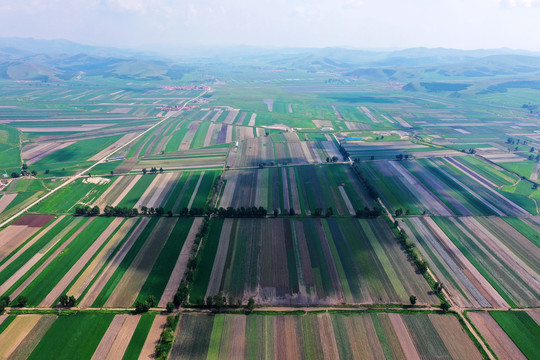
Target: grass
[[139, 336], [206, 257], [522, 329], [136, 191], [73, 337], [157, 279]]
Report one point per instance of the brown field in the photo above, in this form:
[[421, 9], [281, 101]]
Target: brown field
[[496, 337], [112, 265], [149, 347], [30, 243], [155, 193], [27, 346], [116, 340], [16, 333], [252, 119], [85, 127], [188, 138], [33, 220], [6, 200], [113, 192]]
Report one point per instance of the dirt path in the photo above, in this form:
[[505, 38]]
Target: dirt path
[[82, 173], [536, 170], [181, 264]]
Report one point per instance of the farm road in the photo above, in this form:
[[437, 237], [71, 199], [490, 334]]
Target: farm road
[[82, 173]]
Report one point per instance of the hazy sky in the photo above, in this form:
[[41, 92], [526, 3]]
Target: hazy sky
[[463, 24]]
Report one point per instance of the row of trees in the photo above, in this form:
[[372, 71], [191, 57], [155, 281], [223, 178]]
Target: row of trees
[[368, 213], [252, 211], [152, 171], [372, 192], [85, 210]]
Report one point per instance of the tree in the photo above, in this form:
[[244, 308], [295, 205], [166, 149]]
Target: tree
[[219, 301], [276, 212], [144, 171], [532, 149], [412, 299], [250, 304], [95, 211], [141, 307], [4, 301], [209, 301], [151, 301], [161, 170], [144, 209], [445, 306], [24, 166], [14, 175], [108, 211], [335, 158], [438, 287], [34, 172], [21, 301], [327, 159], [396, 223], [292, 212], [47, 171], [170, 307]]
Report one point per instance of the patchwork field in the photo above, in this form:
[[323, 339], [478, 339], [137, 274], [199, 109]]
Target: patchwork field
[[322, 336], [483, 261], [307, 261], [302, 188]]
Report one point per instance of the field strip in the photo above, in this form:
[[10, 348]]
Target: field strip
[[194, 195], [162, 190], [536, 170], [181, 195], [127, 189], [208, 135], [123, 338], [495, 336], [150, 190], [181, 264], [55, 293], [489, 293], [50, 259], [286, 204], [294, 191], [152, 339], [27, 346], [452, 266], [13, 236], [108, 338], [221, 256], [469, 172], [252, 119], [348, 203], [185, 144], [100, 283], [369, 114], [3, 317], [508, 256], [404, 338], [328, 339], [473, 193], [135, 276], [533, 313], [15, 333], [82, 173], [169, 188], [57, 146], [229, 135], [6, 200], [113, 146], [307, 153], [92, 270], [452, 333], [426, 198], [231, 178]]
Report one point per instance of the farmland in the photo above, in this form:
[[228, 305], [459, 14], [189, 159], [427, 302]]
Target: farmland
[[280, 210], [327, 262]]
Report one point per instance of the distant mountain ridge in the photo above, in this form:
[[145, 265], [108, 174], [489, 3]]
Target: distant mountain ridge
[[57, 60]]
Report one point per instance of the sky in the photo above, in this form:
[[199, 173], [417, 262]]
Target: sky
[[367, 24]]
